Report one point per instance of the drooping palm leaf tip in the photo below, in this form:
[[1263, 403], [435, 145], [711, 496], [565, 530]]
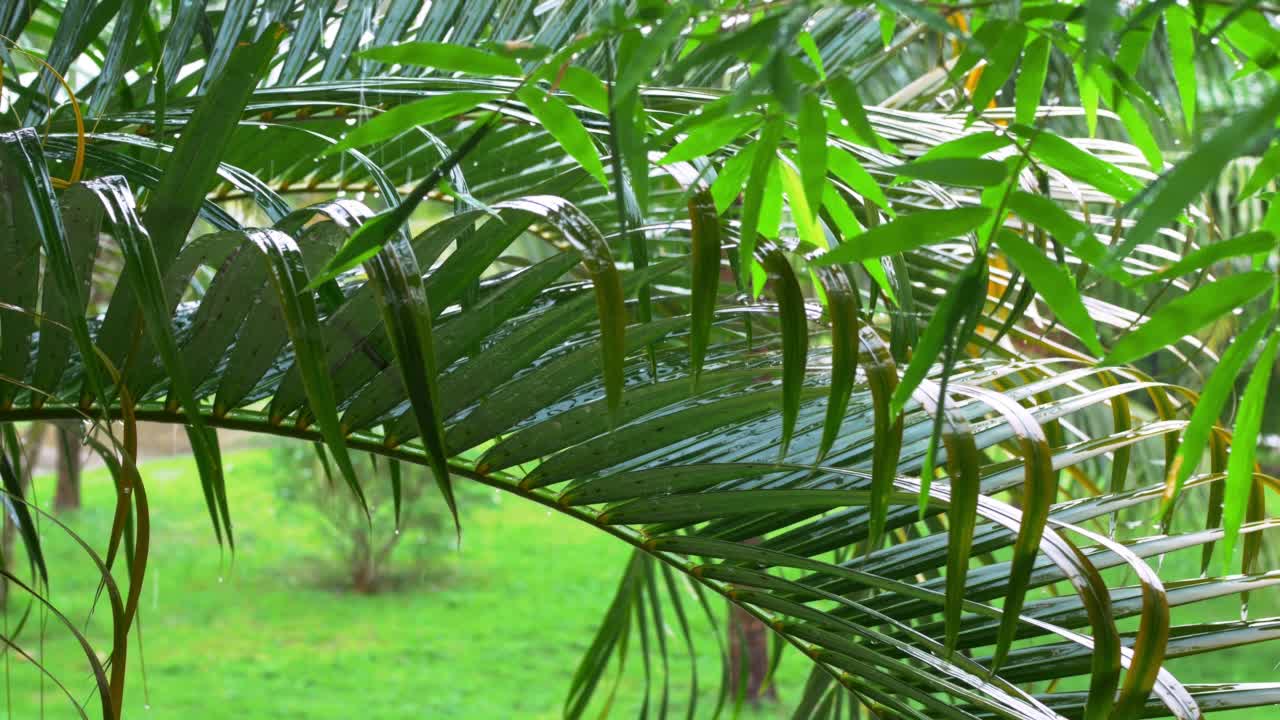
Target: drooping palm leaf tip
[[912, 332]]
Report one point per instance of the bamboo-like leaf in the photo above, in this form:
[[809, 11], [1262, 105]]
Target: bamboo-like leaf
[[1213, 398], [847, 168], [811, 142], [1182, 52], [1097, 27], [444, 56], [372, 235], [938, 334], [1266, 171], [1054, 285], [1029, 85], [972, 145], [641, 63], [586, 87], [907, 232], [403, 118], [1188, 313], [804, 216], [706, 139], [844, 92], [559, 120], [1240, 464], [968, 172], [1001, 59], [1164, 200], [1079, 164], [763, 160], [1260, 241]]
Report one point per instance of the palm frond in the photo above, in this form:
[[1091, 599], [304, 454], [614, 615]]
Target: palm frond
[[887, 465]]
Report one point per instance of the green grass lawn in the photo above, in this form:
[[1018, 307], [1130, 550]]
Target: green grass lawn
[[494, 630]]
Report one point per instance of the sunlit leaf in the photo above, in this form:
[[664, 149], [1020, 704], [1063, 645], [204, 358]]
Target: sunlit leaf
[[443, 56], [1188, 313], [905, 233], [1240, 465]]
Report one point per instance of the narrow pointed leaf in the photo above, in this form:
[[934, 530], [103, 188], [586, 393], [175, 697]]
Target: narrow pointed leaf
[[402, 118], [844, 92], [1188, 313], [1244, 445], [811, 142], [795, 339], [1054, 285], [1208, 409], [762, 162], [1029, 85], [966, 172], [559, 119], [1164, 200], [446, 57], [907, 232]]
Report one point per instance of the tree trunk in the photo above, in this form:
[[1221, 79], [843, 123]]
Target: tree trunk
[[70, 462], [749, 656], [750, 638], [8, 530]]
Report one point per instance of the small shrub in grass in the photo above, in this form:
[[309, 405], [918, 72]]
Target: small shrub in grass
[[358, 555]]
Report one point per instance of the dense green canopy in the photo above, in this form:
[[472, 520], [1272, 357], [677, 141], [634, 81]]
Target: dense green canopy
[[876, 320]]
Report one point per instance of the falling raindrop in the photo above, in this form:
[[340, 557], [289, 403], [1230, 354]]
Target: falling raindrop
[[350, 121]]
